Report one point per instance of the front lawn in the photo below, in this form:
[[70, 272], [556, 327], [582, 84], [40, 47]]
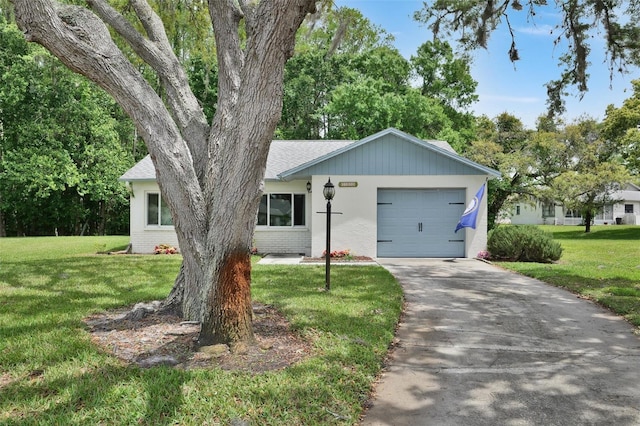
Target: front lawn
[[51, 373], [603, 265]]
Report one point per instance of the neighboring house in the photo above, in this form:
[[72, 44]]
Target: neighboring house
[[396, 196], [625, 210]]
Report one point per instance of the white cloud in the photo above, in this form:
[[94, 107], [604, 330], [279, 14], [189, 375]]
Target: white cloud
[[537, 30], [514, 99]]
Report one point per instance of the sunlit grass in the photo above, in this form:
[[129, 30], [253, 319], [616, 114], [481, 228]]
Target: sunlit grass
[[51, 373], [603, 265]]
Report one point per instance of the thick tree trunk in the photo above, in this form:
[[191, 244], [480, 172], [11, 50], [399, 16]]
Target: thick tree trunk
[[173, 302], [588, 217], [229, 317], [210, 176]]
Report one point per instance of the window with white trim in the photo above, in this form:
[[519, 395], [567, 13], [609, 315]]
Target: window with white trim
[[605, 212], [628, 208], [282, 209], [571, 213], [158, 213]]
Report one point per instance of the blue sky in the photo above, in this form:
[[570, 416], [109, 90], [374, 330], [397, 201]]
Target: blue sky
[[502, 86]]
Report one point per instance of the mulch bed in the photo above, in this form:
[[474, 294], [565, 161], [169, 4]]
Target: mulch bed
[[160, 339]]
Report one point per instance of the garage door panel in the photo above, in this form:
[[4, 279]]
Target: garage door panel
[[420, 222]]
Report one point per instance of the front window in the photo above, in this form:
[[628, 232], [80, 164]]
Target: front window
[[628, 208], [548, 210], [572, 213], [605, 213], [157, 210], [282, 210]]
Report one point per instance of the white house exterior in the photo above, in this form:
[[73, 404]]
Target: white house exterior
[[626, 211], [396, 196]]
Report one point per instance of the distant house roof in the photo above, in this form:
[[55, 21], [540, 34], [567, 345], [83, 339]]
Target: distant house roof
[[287, 158], [629, 192], [143, 170]]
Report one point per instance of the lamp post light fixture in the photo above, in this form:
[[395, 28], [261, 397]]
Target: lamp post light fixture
[[328, 191]]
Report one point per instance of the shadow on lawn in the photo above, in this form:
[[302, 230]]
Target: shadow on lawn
[[600, 233], [619, 294], [42, 335], [361, 309], [50, 372], [44, 301], [97, 390]]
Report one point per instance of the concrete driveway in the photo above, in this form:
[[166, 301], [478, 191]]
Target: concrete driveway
[[483, 346]]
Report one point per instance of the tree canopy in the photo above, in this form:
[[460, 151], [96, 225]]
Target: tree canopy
[[347, 82], [593, 172], [62, 147], [472, 23]]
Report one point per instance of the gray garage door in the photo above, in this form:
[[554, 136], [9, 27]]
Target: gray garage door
[[420, 222]]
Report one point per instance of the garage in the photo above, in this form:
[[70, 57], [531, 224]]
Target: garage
[[420, 222]]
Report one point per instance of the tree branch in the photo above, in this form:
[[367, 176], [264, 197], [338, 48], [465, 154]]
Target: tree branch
[[158, 53], [83, 43], [225, 17]]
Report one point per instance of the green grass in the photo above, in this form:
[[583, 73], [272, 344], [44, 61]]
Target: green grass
[[51, 373], [603, 265]]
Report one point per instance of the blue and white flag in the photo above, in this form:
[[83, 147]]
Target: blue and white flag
[[470, 215]]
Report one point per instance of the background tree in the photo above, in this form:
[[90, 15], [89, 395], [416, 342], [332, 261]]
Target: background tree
[[471, 23], [339, 30], [331, 45], [621, 127], [198, 163], [503, 145], [593, 173], [447, 78], [60, 147], [347, 82]]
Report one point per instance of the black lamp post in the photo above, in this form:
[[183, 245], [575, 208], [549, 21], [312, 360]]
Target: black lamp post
[[329, 191]]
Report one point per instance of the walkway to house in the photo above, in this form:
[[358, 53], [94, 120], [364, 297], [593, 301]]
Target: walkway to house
[[483, 346]]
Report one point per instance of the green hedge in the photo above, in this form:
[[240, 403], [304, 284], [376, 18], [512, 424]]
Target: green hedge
[[523, 243]]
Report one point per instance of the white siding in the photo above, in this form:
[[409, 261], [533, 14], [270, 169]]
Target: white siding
[[532, 215], [267, 239], [355, 228], [144, 238], [527, 214], [291, 240]]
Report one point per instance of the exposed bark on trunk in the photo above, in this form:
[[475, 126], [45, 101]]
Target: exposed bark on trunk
[[102, 217], [173, 303], [3, 226], [588, 217], [3, 223], [230, 319], [210, 176]]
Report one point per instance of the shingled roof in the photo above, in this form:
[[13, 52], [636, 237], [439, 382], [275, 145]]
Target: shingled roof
[[283, 156]]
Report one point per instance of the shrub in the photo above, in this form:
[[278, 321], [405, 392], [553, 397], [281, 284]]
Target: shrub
[[339, 254], [165, 249], [523, 243]]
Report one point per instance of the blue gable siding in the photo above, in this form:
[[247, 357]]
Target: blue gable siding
[[391, 155]]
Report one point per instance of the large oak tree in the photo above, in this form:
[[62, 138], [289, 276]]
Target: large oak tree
[[210, 173], [580, 22]]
